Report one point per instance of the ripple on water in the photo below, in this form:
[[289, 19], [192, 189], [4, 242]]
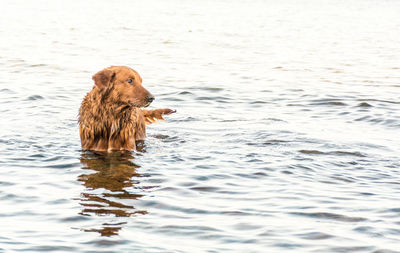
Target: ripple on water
[[7, 91], [34, 97], [268, 152], [380, 120], [330, 216], [352, 249], [364, 104], [333, 153], [205, 188], [315, 236], [50, 248], [328, 102]]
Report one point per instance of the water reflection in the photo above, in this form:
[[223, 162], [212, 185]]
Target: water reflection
[[110, 180]]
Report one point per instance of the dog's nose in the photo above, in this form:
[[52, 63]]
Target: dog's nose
[[150, 98]]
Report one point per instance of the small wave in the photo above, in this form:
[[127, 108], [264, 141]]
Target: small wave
[[188, 119], [379, 120], [329, 102], [35, 97], [354, 249], [63, 165], [185, 93], [275, 142], [125, 28], [343, 179], [337, 153], [37, 65], [50, 248], [7, 91], [173, 99], [315, 236], [379, 100], [168, 42], [213, 89], [364, 104], [259, 102], [213, 98], [275, 119], [330, 216], [205, 188], [160, 136]]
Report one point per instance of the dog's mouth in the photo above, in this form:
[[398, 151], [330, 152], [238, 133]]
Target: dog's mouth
[[146, 104]]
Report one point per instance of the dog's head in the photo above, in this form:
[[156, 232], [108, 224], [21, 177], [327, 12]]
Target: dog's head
[[122, 84]]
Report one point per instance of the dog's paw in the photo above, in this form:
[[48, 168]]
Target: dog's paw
[[152, 116], [168, 111]]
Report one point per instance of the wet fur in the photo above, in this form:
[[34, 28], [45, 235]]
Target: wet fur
[[110, 116]]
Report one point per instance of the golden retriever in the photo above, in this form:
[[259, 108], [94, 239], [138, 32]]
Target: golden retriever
[[111, 115]]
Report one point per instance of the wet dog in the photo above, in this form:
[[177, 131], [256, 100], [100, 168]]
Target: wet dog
[[111, 115]]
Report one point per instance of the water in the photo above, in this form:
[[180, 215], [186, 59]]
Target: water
[[286, 137]]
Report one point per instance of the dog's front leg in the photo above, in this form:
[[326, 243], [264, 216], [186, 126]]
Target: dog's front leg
[[151, 116]]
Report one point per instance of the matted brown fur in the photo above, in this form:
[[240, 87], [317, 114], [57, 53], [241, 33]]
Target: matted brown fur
[[110, 116]]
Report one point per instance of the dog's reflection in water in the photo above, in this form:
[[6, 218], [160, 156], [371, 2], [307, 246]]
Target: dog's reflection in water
[[111, 182]]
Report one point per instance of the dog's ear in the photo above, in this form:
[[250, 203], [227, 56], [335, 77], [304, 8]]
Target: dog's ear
[[103, 78]]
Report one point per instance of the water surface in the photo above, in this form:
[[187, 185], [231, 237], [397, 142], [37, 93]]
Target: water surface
[[286, 137]]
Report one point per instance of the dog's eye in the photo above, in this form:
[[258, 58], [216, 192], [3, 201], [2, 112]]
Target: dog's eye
[[130, 81]]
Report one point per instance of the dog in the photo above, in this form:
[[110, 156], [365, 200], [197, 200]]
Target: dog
[[111, 115]]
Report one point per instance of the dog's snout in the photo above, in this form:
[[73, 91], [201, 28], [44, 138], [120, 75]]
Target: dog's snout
[[150, 98]]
